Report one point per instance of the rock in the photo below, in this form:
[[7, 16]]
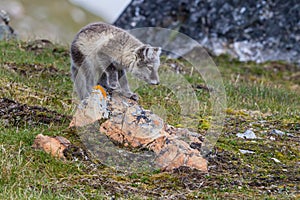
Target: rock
[[129, 125], [244, 29], [246, 151], [91, 109], [272, 138], [277, 132], [276, 160], [248, 134], [59, 147], [52, 145], [280, 133], [6, 31]]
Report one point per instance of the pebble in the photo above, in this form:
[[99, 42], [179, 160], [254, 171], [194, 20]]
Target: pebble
[[280, 133], [246, 151], [277, 132], [272, 138], [248, 134], [276, 160]]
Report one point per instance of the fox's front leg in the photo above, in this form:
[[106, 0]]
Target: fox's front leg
[[109, 78], [112, 73], [125, 90]]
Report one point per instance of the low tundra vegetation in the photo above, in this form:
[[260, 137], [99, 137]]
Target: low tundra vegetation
[[37, 96]]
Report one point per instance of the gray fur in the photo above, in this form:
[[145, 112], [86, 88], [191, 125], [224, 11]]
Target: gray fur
[[100, 54]]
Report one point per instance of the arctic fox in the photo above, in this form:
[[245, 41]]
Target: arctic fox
[[100, 54]]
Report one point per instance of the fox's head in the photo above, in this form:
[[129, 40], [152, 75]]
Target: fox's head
[[146, 64]]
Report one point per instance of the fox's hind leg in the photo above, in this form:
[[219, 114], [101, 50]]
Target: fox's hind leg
[[78, 81], [74, 71], [84, 79]]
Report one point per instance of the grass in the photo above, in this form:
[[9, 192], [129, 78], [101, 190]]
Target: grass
[[261, 97]]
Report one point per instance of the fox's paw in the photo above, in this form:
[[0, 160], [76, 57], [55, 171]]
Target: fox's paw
[[134, 97], [130, 95], [113, 86]]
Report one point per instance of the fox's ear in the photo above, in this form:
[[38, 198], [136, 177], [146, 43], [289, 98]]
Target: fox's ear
[[157, 50], [147, 52], [142, 51]]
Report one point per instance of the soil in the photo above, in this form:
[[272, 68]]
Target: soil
[[13, 113]]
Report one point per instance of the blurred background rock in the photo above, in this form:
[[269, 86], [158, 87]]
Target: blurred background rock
[[57, 20], [6, 31], [248, 30]]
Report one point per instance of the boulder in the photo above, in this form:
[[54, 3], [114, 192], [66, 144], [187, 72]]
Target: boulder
[[248, 30], [129, 125], [6, 31]]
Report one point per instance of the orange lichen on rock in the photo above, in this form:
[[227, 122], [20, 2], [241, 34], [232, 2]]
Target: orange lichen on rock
[[91, 109], [100, 88]]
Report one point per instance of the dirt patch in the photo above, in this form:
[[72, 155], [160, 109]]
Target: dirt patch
[[16, 114], [40, 46], [281, 67], [33, 70], [221, 164]]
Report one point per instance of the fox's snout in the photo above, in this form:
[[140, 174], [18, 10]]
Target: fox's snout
[[154, 82]]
